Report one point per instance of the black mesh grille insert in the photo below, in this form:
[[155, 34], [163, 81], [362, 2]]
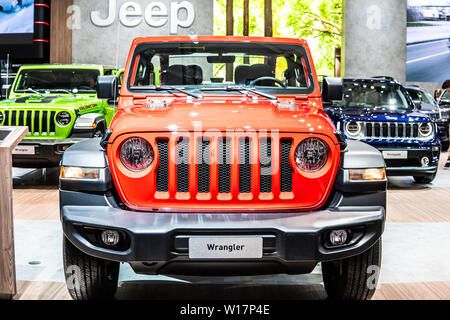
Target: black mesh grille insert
[[44, 122], [29, 121], [245, 167], [285, 167], [224, 165], [162, 174], [52, 121], [36, 121], [6, 120], [265, 165], [13, 118], [203, 166], [183, 165]]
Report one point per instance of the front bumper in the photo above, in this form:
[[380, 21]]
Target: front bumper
[[47, 153], [158, 242], [412, 166]]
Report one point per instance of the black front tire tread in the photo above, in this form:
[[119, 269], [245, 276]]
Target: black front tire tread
[[346, 279], [98, 277]]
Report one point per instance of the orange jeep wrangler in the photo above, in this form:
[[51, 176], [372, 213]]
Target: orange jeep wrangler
[[221, 161]]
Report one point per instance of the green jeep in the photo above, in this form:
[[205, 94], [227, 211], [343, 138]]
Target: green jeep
[[59, 105]]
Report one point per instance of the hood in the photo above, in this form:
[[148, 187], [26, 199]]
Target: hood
[[222, 115], [371, 114], [67, 102]]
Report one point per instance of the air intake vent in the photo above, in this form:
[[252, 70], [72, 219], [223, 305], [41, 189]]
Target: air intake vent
[[183, 165], [245, 166], [162, 174], [265, 166], [203, 157], [224, 165], [285, 167]]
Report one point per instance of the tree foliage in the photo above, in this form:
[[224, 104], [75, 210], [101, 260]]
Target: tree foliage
[[318, 21]]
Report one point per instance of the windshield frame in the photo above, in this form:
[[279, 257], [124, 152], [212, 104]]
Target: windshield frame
[[59, 90], [198, 88]]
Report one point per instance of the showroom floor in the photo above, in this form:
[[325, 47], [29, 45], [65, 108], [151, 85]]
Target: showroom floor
[[416, 259]]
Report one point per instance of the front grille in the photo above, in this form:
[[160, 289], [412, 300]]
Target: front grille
[[214, 163], [38, 122], [375, 130]]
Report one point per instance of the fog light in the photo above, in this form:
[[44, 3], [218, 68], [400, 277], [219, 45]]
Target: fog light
[[110, 237], [338, 237], [425, 161]]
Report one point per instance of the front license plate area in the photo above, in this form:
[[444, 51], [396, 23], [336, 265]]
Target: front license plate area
[[395, 154], [225, 247], [24, 150]]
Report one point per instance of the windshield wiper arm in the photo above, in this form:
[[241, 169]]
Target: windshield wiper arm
[[34, 91], [241, 90], [66, 91], [168, 88]]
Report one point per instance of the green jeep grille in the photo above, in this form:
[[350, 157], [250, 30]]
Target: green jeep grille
[[40, 123]]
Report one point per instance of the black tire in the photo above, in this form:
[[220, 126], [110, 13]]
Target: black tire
[[347, 279], [87, 277], [425, 179]]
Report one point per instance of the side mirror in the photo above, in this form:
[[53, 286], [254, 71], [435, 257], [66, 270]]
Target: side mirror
[[107, 87], [332, 90]]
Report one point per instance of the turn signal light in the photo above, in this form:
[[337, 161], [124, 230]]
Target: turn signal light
[[372, 174], [79, 173]]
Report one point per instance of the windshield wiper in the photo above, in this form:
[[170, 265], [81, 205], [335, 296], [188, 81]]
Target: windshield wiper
[[34, 91], [168, 88], [64, 90], [242, 90]]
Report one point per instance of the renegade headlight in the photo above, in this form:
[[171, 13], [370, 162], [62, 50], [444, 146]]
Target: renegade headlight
[[352, 128], [79, 173], [136, 154], [311, 154], [425, 129], [63, 118]]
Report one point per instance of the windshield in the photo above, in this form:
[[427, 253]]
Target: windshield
[[376, 95], [55, 80], [421, 96], [445, 97], [276, 68]]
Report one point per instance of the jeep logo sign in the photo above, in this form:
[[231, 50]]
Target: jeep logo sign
[[156, 14]]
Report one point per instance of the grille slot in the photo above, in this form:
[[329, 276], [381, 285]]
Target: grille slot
[[183, 165], [245, 166], [285, 167], [44, 125], [162, 174], [265, 165], [6, 120], [52, 122], [14, 118], [224, 165], [203, 166], [36, 128]]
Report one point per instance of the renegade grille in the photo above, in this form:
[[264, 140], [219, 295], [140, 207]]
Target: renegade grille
[[240, 178], [38, 122], [391, 130]]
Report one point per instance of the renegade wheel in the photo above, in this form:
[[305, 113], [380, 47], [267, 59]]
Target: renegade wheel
[[353, 278], [425, 179], [89, 278]]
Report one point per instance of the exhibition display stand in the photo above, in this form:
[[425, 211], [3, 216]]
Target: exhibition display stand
[[9, 138]]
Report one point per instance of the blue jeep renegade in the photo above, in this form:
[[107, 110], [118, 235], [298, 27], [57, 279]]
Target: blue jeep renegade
[[381, 113]]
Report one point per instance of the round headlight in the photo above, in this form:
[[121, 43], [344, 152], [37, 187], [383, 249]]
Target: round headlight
[[352, 128], [63, 118], [136, 154], [426, 129], [311, 154]]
